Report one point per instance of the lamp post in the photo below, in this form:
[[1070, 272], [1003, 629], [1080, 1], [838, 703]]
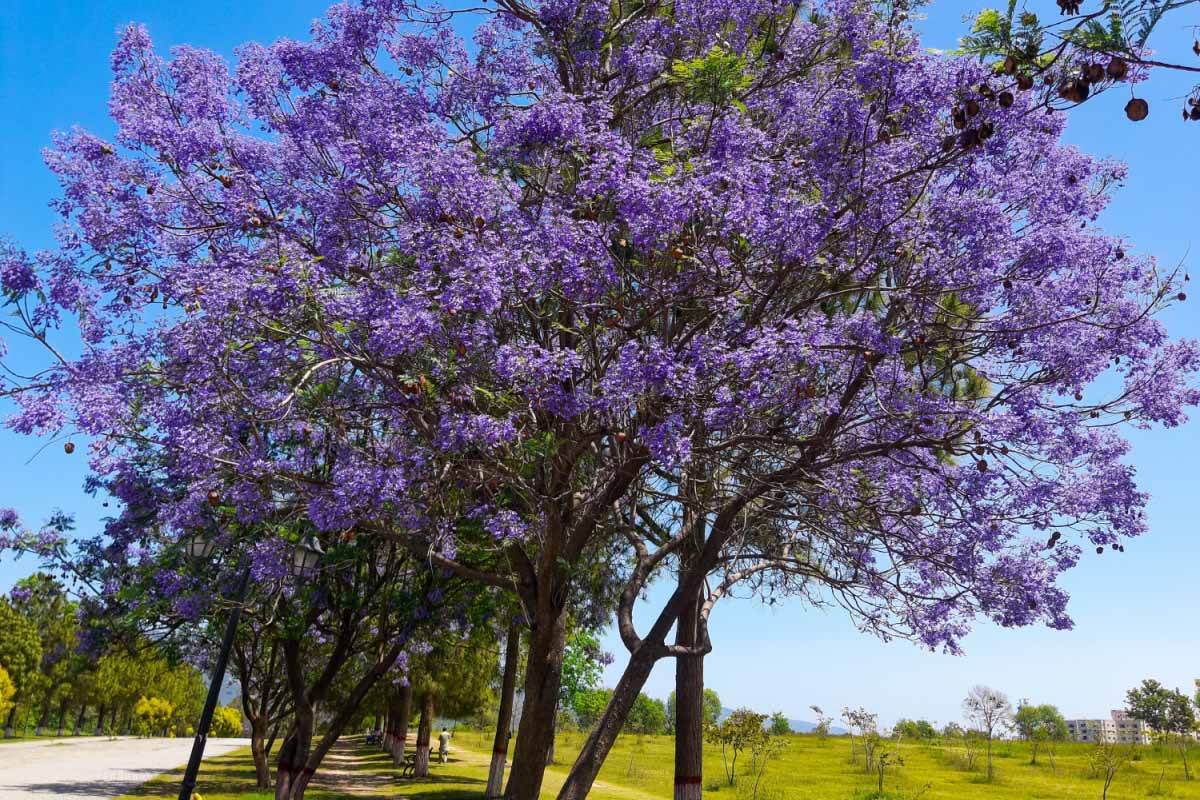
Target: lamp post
[[305, 559]]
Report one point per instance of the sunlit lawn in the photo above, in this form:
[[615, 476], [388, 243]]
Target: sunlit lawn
[[641, 769]]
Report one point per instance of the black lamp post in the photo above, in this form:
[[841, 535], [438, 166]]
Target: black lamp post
[[304, 561]]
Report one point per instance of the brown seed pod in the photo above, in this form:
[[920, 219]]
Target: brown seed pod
[[1117, 69], [214, 498], [981, 465], [1010, 65], [1024, 82], [1181, 296], [1095, 73], [1137, 109], [1006, 99], [1078, 396], [987, 92], [948, 143], [968, 139], [68, 447], [1075, 90], [960, 121], [986, 130], [1007, 283], [972, 107]]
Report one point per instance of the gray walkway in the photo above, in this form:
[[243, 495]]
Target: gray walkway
[[92, 768]]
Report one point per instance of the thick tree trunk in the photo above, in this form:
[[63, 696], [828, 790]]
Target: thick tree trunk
[[403, 714], [424, 729], [10, 722], [508, 687], [689, 707], [100, 720], [543, 679], [595, 750], [79, 717], [258, 752], [293, 775]]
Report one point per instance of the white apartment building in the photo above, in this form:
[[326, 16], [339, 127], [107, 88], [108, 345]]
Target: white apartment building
[[1120, 728], [1130, 730]]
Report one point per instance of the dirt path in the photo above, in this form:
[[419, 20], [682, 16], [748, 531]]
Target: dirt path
[[351, 768]]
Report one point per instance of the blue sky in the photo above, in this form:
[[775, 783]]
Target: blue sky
[[1132, 611]]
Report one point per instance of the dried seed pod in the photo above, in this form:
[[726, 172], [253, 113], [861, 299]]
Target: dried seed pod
[[1137, 109], [68, 447], [986, 130], [1006, 99], [987, 92], [1117, 69], [1095, 73], [968, 139], [1010, 65], [947, 143], [214, 498], [1024, 82], [972, 107], [1075, 90]]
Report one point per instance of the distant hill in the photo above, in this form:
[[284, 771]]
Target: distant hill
[[797, 725]]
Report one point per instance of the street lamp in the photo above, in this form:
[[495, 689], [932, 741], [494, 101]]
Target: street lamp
[[305, 559], [307, 556], [201, 547]]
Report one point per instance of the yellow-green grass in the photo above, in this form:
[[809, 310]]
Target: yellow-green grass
[[808, 769]]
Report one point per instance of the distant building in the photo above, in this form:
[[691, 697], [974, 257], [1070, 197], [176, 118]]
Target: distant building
[[1130, 730], [1103, 731], [1120, 728]]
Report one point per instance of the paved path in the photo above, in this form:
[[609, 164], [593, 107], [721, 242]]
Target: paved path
[[92, 768]]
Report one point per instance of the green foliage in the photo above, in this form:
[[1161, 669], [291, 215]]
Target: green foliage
[[920, 729], [647, 717], [583, 664], [20, 648], [741, 731], [152, 716], [779, 724], [7, 690], [1039, 725], [588, 705], [714, 79], [226, 722]]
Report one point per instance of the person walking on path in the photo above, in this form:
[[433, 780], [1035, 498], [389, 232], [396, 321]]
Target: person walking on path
[[444, 746]]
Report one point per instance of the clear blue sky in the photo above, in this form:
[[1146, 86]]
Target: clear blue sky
[[1133, 612]]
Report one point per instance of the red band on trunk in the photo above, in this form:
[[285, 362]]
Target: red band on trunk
[[684, 780]]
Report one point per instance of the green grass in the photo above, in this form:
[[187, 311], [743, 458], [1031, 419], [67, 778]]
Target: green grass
[[641, 769]]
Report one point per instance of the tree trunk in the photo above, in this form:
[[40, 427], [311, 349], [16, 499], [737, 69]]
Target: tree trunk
[[258, 751], [424, 729], [403, 714], [543, 680], [294, 774], [595, 750], [79, 719], [100, 720], [43, 718], [689, 707], [10, 722], [62, 716], [508, 686]]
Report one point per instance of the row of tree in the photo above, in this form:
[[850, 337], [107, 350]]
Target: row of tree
[[750, 297], [56, 687]]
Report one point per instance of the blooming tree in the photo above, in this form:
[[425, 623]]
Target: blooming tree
[[752, 287]]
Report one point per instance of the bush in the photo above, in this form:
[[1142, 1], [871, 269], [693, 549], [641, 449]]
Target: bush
[[226, 723], [152, 715]]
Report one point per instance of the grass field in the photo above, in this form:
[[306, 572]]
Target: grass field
[[808, 769]]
